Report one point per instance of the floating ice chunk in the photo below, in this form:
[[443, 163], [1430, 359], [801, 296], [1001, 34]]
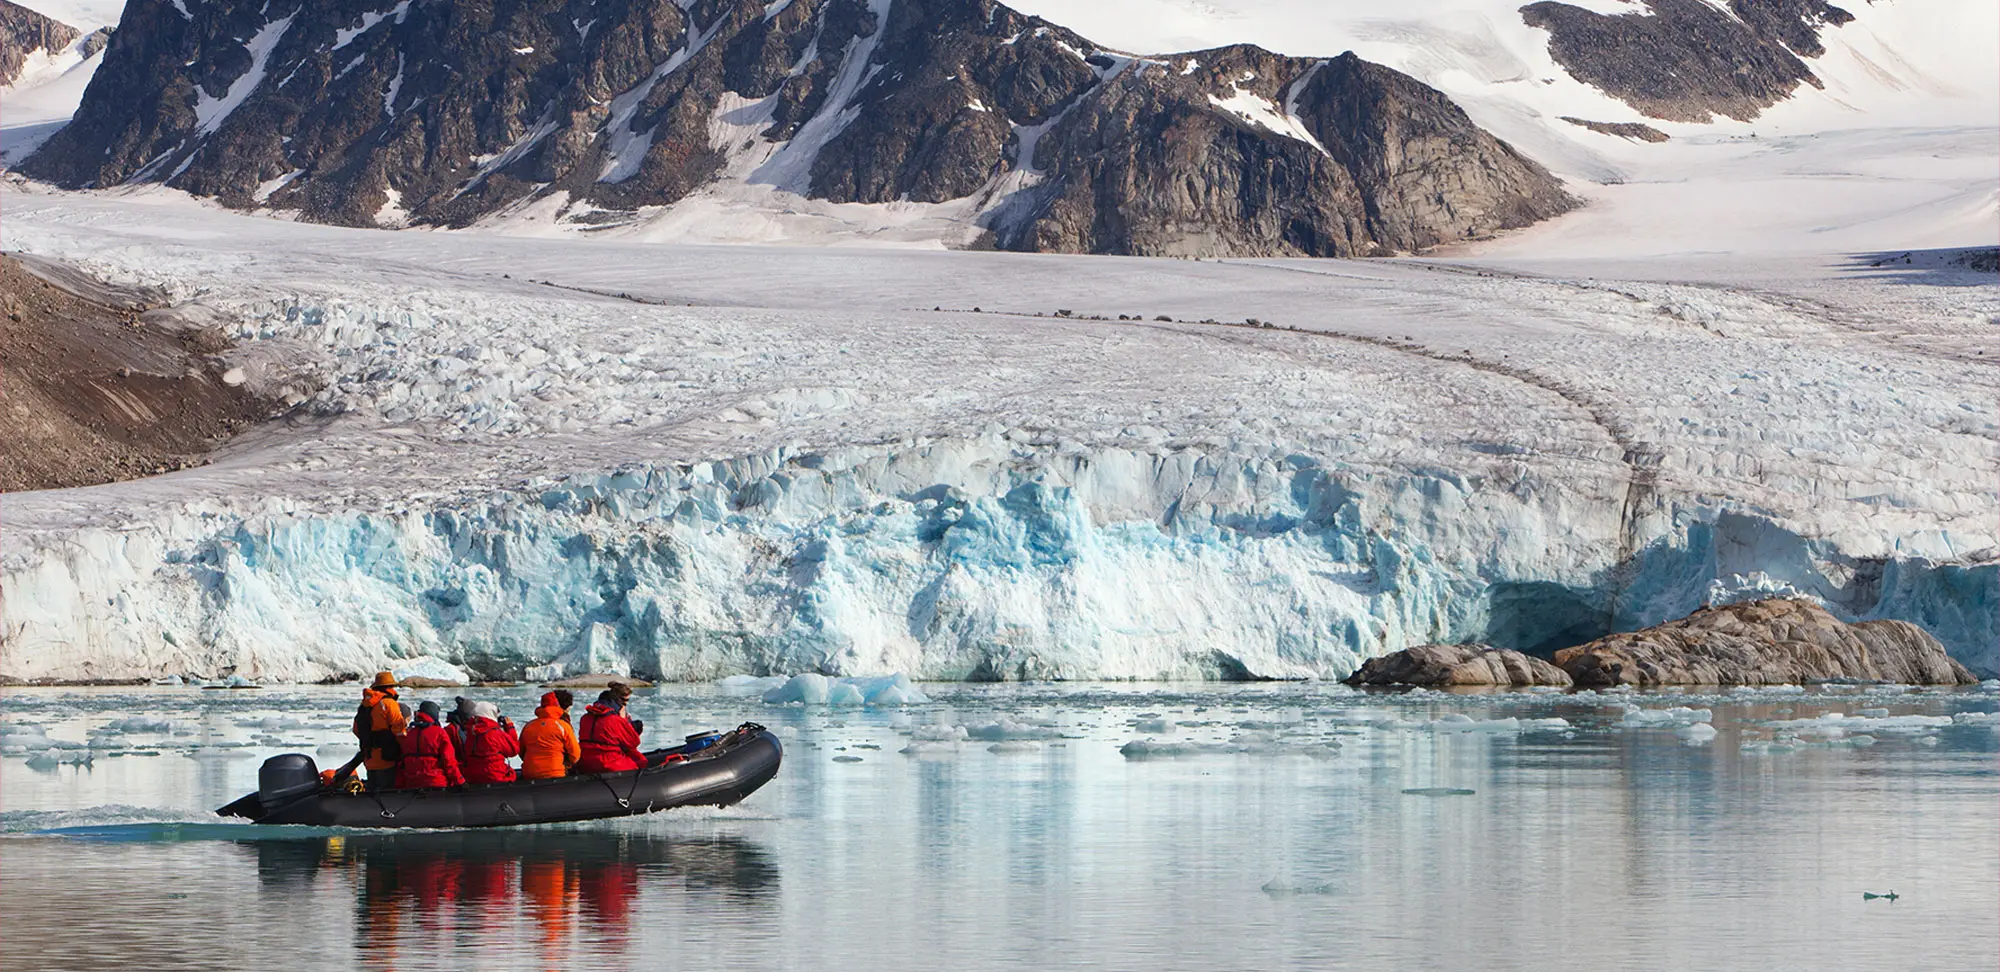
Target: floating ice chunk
[[1768, 690], [234, 681], [938, 733], [923, 747], [1458, 722], [1990, 685], [18, 739], [1696, 733], [1157, 726], [1249, 743], [52, 758], [890, 690], [169, 680], [1873, 713], [1976, 718], [1007, 728], [809, 688], [1015, 746], [272, 723], [812, 688], [136, 725], [1843, 724], [1636, 717]]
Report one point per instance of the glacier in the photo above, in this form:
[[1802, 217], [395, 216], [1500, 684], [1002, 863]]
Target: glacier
[[976, 559], [533, 459]]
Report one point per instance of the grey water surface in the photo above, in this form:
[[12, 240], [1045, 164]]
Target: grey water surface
[[1296, 826]]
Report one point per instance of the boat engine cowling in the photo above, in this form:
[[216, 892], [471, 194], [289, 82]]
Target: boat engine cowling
[[284, 777]]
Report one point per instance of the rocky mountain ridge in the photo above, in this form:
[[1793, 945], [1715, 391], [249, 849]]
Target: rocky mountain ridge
[[25, 33], [363, 112], [1689, 60]]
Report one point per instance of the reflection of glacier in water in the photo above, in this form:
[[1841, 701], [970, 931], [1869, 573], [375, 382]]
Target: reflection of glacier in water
[[1001, 826], [975, 559]]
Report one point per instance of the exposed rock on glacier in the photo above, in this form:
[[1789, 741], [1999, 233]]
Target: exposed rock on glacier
[[1457, 665], [1770, 642]]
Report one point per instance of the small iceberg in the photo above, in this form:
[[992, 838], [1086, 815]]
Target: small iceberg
[[811, 688]]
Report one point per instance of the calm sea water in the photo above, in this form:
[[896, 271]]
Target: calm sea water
[[1266, 827]]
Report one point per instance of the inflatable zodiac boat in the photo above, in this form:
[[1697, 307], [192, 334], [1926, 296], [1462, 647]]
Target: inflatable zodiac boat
[[711, 770]]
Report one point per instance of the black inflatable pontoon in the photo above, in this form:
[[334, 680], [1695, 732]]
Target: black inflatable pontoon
[[289, 791]]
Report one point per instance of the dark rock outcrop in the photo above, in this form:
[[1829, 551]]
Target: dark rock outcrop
[[1632, 130], [1688, 60], [1446, 665], [24, 33], [1769, 642], [374, 112]]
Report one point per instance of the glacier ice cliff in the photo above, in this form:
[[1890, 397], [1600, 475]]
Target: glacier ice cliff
[[969, 558]]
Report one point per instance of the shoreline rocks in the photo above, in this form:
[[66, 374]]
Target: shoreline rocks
[[1457, 665], [1769, 642]]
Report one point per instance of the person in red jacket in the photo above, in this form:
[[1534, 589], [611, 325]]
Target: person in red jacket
[[428, 756], [489, 743], [610, 740]]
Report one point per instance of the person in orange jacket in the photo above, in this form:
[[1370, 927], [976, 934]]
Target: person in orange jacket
[[548, 744], [379, 724], [429, 760], [489, 743]]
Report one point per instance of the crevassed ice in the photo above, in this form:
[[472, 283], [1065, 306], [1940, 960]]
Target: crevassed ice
[[963, 559]]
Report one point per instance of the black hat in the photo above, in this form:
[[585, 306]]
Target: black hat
[[428, 708]]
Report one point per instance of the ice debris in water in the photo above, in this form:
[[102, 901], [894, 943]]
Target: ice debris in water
[[52, 758], [1834, 724], [1768, 690], [234, 681], [1990, 685], [1696, 733], [1460, 722], [1976, 718], [1006, 728], [1636, 717], [168, 680], [147, 725], [1160, 727], [1249, 743], [1015, 746], [18, 739], [811, 688], [272, 723]]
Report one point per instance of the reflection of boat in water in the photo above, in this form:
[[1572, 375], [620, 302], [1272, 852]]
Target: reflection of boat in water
[[720, 773], [520, 897]]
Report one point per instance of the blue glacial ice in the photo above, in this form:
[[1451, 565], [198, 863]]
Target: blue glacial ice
[[959, 559]]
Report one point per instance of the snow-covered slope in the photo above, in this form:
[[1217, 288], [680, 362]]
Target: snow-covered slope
[[50, 87], [764, 461]]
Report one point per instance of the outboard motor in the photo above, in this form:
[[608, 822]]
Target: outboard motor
[[287, 777]]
